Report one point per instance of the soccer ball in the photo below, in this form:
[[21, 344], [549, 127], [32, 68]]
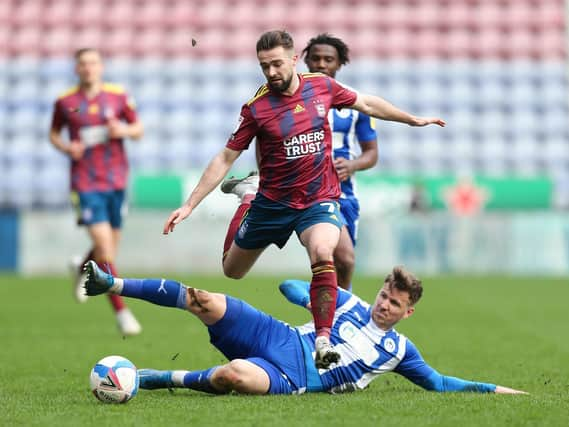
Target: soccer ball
[[114, 379]]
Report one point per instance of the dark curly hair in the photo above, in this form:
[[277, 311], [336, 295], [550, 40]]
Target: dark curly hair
[[325, 38]]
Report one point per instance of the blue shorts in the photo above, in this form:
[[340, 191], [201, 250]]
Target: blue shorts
[[100, 206], [269, 222], [350, 209], [247, 333]]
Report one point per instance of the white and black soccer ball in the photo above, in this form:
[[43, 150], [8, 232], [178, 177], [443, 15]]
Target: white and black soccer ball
[[114, 379]]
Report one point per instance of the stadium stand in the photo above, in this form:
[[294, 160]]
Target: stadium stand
[[495, 70]]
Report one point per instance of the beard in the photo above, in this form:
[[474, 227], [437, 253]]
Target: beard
[[281, 87]]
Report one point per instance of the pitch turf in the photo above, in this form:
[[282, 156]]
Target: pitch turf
[[508, 331]]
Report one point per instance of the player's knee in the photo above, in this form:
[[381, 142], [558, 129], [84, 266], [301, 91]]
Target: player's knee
[[198, 300], [232, 273], [322, 252], [230, 376]]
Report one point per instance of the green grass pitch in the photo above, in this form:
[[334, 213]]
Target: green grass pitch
[[513, 332]]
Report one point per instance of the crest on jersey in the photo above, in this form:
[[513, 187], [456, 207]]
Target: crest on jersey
[[320, 108], [109, 113], [389, 345]]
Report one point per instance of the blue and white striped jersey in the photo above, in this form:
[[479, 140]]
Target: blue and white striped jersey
[[349, 128], [366, 350]]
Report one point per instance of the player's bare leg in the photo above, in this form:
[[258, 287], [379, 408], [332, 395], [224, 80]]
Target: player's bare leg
[[241, 376], [238, 375], [320, 241], [105, 242], [237, 261], [344, 259]]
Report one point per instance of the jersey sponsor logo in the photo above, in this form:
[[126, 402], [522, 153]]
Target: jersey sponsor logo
[[94, 135], [298, 109], [304, 144], [362, 345]]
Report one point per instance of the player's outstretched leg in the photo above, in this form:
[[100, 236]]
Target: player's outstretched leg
[[245, 189], [98, 282], [208, 307], [152, 379]]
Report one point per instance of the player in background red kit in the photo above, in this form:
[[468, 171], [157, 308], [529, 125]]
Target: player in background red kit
[[98, 116], [299, 187]]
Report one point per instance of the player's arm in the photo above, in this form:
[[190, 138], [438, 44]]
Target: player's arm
[[379, 108], [415, 369], [118, 129], [367, 138], [212, 176], [298, 292], [75, 149], [133, 128]]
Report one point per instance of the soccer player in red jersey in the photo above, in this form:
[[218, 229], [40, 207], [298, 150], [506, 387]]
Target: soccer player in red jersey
[[299, 187], [98, 116]]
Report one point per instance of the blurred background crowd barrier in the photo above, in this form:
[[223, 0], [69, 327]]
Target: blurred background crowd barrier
[[488, 193]]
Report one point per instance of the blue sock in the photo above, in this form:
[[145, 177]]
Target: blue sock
[[200, 381], [158, 291], [296, 291]]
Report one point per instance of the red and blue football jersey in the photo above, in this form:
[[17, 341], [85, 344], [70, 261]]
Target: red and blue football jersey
[[104, 165], [294, 139]]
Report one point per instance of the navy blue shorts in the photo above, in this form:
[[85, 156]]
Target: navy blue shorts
[[100, 206], [247, 333], [269, 222], [350, 209]]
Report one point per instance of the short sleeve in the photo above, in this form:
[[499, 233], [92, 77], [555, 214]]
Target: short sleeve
[[365, 128], [342, 96], [129, 112], [59, 117], [244, 132]]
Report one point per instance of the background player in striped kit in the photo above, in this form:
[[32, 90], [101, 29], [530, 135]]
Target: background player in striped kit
[[299, 187], [268, 356], [98, 116]]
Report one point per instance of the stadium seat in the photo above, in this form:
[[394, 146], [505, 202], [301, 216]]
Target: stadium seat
[[496, 70]]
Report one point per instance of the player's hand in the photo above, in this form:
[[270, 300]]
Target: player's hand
[[117, 129], [507, 390], [344, 167], [176, 217], [76, 149], [425, 121]]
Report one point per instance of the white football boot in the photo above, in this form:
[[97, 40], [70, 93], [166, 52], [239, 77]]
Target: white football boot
[[241, 186]]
